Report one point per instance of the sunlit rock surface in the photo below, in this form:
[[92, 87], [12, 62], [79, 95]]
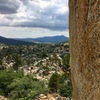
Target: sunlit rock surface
[[84, 27]]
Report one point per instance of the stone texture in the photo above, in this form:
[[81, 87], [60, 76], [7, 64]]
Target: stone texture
[[3, 98], [84, 27], [52, 96]]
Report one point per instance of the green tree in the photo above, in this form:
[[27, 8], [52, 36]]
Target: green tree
[[66, 90], [6, 78], [16, 86], [66, 60], [28, 61], [62, 78], [1, 67], [18, 62], [66, 65], [54, 82], [26, 88]]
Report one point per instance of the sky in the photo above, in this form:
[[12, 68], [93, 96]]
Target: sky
[[33, 18]]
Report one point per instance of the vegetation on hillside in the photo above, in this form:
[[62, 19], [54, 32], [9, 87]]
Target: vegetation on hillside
[[30, 70], [16, 86]]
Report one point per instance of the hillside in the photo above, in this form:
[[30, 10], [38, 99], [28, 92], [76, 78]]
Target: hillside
[[9, 41], [49, 39], [35, 68]]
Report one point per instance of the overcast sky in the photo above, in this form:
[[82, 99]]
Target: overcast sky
[[33, 18]]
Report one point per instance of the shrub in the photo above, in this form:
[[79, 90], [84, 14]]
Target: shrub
[[66, 90], [26, 88], [16, 86], [66, 60], [6, 78], [54, 82]]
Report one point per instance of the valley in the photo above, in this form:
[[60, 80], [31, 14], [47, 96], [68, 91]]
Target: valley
[[43, 62]]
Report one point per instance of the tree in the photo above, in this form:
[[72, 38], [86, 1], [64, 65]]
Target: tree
[[66, 90], [66, 65], [28, 61], [66, 60], [16, 86], [1, 67], [54, 82], [26, 88], [6, 78], [18, 62]]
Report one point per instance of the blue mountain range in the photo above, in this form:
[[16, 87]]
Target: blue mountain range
[[47, 39], [27, 41]]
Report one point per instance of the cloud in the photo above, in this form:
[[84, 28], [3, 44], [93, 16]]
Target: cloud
[[8, 6], [49, 14], [19, 32]]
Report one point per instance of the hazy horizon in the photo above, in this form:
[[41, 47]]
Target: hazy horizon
[[33, 37]]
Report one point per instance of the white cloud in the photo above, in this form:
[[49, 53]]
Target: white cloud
[[13, 32], [41, 14]]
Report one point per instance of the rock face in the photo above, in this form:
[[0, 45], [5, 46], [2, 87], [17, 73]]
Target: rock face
[[85, 48], [3, 98]]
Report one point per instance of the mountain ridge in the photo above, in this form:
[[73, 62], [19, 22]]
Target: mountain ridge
[[28, 41], [10, 41], [46, 39]]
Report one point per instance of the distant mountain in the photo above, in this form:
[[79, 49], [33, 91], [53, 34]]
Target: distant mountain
[[49, 39], [9, 41]]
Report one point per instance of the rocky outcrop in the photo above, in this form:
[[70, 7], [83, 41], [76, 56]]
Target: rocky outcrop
[[84, 29], [3, 98], [53, 96]]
